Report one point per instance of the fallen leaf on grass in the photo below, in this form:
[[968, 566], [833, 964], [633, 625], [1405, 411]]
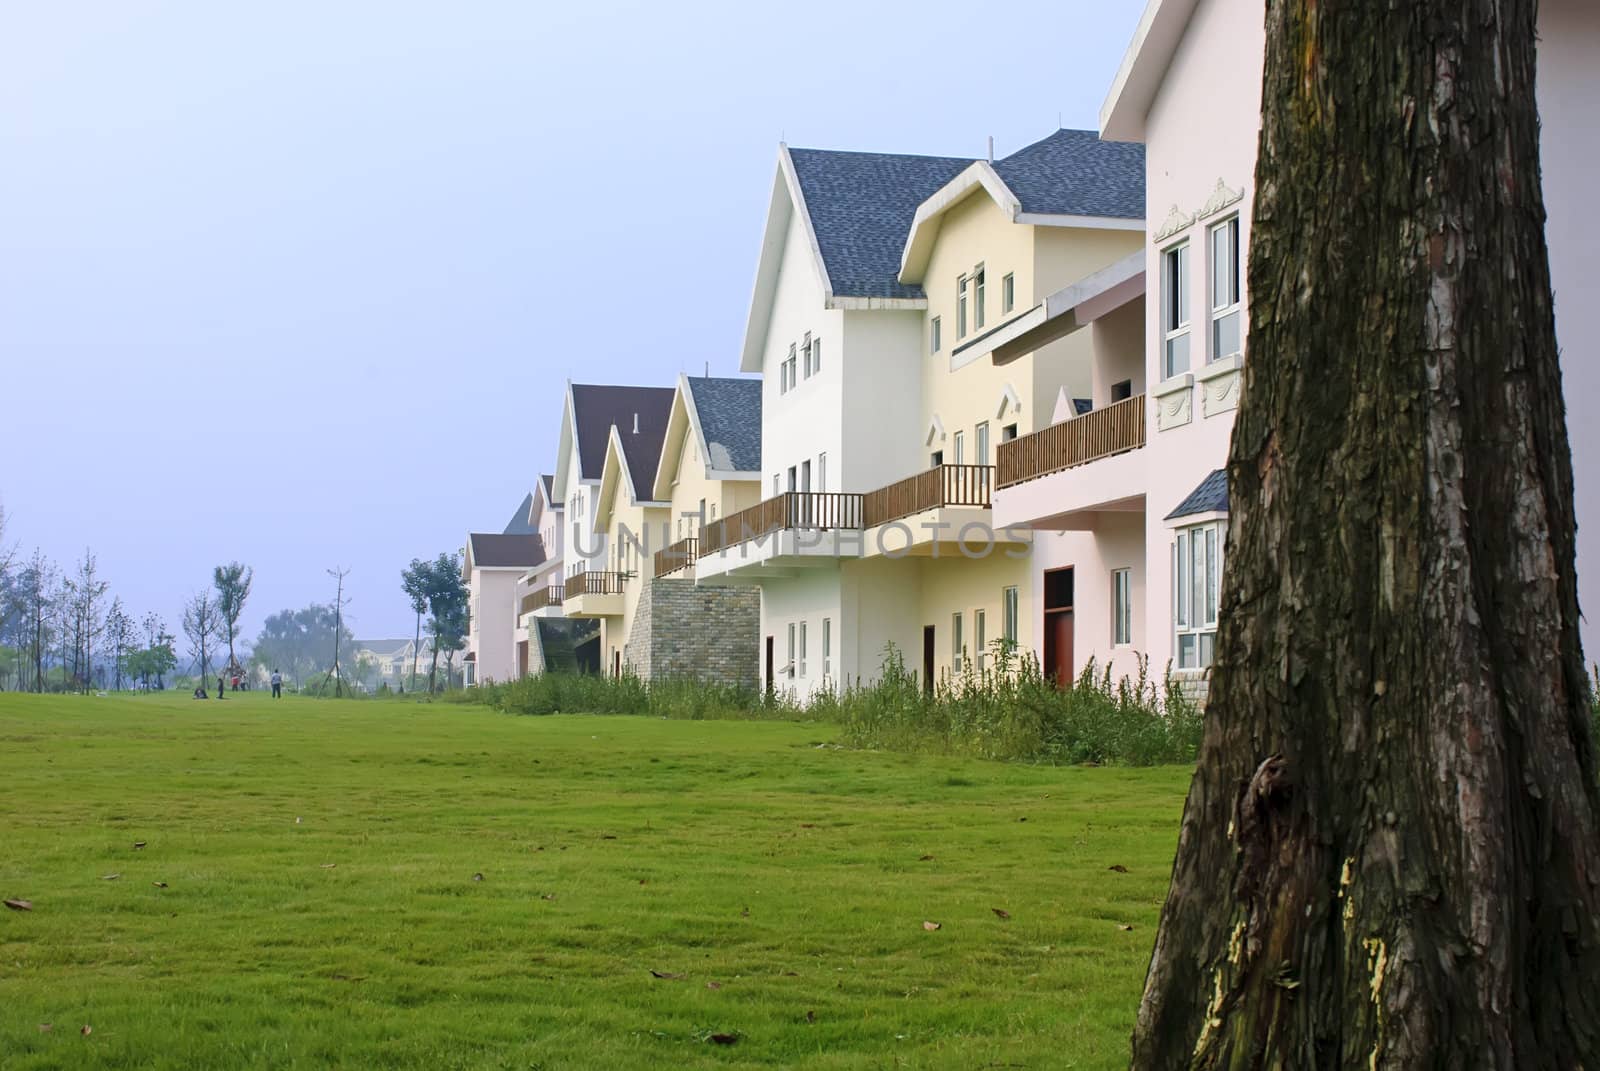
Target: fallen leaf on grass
[[159, 884], [1024, 818], [808, 825], [642, 881], [1000, 912], [548, 896], [45, 1028], [925, 859], [722, 1039], [138, 844], [1124, 927], [1118, 867], [713, 985], [665, 974], [329, 866], [87, 1030], [811, 1016], [608, 836], [297, 820], [110, 877], [477, 877], [745, 913], [930, 926], [20, 905]]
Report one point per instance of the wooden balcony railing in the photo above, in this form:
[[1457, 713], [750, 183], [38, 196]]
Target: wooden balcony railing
[[680, 555], [590, 582], [1098, 433], [540, 598], [938, 487], [792, 509]]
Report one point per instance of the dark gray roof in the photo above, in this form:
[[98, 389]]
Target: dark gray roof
[[492, 550], [1074, 173], [520, 522], [550, 489], [382, 648], [596, 408], [861, 206], [730, 418], [1210, 497]]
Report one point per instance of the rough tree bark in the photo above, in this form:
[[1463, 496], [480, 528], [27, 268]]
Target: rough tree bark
[[1389, 854]]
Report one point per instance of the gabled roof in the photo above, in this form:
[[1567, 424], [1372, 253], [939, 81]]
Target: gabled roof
[[548, 481], [1071, 178], [521, 522], [1144, 67], [622, 474], [639, 413], [1210, 497], [724, 416], [383, 648], [497, 550]]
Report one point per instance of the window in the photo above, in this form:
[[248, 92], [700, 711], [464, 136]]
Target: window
[[776, 490], [792, 480], [960, 441], [961, 307], [1008, 433], [1197, 569], [978, 629], [1008, 293], [982, 457], [1121, 607], [955, 643], [805, 350], [805, 475], [1225, 289], [802, 648], [936, 458], [977, 298], [816, 355], [1121, 392], [1175, 311], [822, 471], [827, 647], [933, 335], [786, 372], [1009, 614], [790, 667]]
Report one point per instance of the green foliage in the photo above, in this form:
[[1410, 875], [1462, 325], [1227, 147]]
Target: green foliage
[[300, 642], [1008, 710]]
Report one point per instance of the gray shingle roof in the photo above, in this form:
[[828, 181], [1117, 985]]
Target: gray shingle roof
[[861, 206], [596, 408], [382, 648], [495, 549], [1210, 497], [519, 524], [730, 418], [1074, 173]]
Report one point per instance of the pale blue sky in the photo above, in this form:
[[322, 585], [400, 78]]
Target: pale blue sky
[[269, 270]]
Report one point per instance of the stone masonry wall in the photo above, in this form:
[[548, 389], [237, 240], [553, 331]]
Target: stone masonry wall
[[701, 633]]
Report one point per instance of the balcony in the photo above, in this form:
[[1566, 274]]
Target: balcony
[[1117, 428], [594, 594], [921, 513], [678, 558], [544, 601], [1041, 481], [791, 530]]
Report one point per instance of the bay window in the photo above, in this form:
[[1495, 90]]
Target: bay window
[[1196, 583]]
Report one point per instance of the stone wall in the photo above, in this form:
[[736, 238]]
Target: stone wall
[[683, 631], [1195, 684]]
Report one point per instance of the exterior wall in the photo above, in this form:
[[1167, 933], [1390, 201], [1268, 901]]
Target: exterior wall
[[1114, 541], [799, 424], [1193, 141], [633, 536], [1569, 85], [721, 497], [1119, 352], [684, 632], [494, 621], [810, 596], [954, 584], [880, 417]]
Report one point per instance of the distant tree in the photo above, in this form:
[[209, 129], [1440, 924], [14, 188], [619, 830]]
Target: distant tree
[[157, 658], [232, 582], [33, 589], [202, 624], [447, 612], [299, 642], [121, 637], [87, 592], [414, 580]]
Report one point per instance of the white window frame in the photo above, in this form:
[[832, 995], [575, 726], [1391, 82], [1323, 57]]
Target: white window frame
[[1175, 309], [1224, 305], [792, 663], [822, 472], [1197, 553], [816, 356], [1008, 292], [958, 447], [981, 433], [802, 648], [827, 646], [979, 627], [1121, 607], [978, 281], [805, 349], [1010, 617], [934, 341], [956, 637], [961, 307]]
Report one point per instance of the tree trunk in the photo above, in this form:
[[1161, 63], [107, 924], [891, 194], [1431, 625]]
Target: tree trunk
[[1389, 854]]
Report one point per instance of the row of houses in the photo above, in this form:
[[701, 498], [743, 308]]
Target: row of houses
[[982, 402]]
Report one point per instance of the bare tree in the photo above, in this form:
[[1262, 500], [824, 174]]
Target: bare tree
[[202, 624], [87, 592], [1390, 854], [338, 625]]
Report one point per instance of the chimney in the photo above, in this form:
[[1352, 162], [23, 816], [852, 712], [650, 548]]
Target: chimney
[[991, 148], [636, 423]]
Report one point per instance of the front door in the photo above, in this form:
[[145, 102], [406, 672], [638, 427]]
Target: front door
[[928, 648], [1058, 584]]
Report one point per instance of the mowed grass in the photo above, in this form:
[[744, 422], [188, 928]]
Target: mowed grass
[[320, 907]]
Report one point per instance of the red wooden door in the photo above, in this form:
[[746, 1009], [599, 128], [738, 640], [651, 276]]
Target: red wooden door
[[1058, 646]]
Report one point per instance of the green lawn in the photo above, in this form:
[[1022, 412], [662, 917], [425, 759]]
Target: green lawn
[[320, 907]]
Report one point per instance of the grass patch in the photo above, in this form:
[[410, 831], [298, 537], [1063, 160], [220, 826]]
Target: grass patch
[[756, 856]]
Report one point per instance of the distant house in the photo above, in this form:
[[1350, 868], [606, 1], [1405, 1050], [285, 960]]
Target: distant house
[[491, 567], [390, 661]]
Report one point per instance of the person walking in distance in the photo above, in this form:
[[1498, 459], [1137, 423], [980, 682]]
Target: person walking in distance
[[277, 684]]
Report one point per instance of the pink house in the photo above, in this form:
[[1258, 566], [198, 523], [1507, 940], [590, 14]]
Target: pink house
[[1138, 514]]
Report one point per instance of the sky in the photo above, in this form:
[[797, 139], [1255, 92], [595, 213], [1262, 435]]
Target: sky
[[300, 284]]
